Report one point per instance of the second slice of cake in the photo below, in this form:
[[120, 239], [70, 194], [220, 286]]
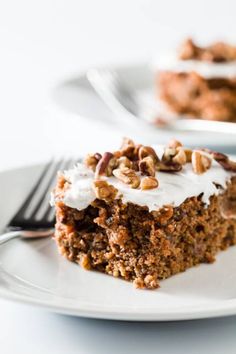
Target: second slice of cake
[[199, 81]]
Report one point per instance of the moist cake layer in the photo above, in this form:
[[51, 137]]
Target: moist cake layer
[[193, 95]]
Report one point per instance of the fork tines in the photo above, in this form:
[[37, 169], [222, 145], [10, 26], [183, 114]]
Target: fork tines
[[36, 212]]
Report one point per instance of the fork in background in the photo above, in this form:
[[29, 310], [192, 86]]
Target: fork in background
[[119, 99], [130, 109], [35, 218]]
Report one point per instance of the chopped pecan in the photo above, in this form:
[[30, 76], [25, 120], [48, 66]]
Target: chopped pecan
[[136, 151], [172, 159], [127, 148], [223, 160], [168, 154], [149, 183], [127, 176], [200, 162], [123, 161], [91, 161], [188, 50], [173, 143], [180, 156], [127, 142], [147, 166], [104, 191], [188, 154], [106, 165], [169, 166], [145, 151]]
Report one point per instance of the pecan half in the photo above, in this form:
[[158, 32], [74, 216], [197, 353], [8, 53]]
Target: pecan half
[[91, 161], [127, 176], [106, 165], [149, 183], [147, 166], [104, 191], [201, 163]]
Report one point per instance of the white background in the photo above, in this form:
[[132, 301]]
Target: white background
[[42, 42]]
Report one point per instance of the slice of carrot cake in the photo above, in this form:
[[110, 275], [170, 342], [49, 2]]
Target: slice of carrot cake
[[199, 81], [145, 213]]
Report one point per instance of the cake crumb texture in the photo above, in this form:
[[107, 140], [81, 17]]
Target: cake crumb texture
[[128, 241]]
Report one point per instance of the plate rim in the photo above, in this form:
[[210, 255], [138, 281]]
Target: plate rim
[[192, 313]]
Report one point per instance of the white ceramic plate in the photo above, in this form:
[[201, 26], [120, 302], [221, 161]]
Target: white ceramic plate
[[75, 95], [34, 273]]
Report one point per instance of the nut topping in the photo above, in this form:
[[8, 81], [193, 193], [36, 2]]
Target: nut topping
[[149, 183], [169, 153], [147, 166], [188, 154], [127, 176], [223, 160], [174, 144], [91, 161], [145, 151], [133, 159], [169, 166], [127, 147], [104, 191], [123, 161], [200, 162], [105, 165], [180, 157]]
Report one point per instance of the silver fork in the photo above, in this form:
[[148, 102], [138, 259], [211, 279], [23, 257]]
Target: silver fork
[[35, 218], [116, 96], [129, 108]]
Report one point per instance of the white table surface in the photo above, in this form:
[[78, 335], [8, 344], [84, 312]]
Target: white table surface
[[41, 43]]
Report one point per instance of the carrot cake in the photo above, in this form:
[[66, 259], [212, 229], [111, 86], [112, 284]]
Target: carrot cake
[[144, 213], [199, 81]]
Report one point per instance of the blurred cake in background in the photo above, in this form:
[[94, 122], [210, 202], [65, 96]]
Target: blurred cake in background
[[199, 81]]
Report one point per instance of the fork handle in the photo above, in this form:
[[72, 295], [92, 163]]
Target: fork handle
[[9, 236], [26, 234]]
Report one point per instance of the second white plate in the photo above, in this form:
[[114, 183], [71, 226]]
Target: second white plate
[[75, 95]]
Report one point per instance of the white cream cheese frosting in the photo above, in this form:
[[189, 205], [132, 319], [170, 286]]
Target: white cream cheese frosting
[[205, 69], [173, 189]]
